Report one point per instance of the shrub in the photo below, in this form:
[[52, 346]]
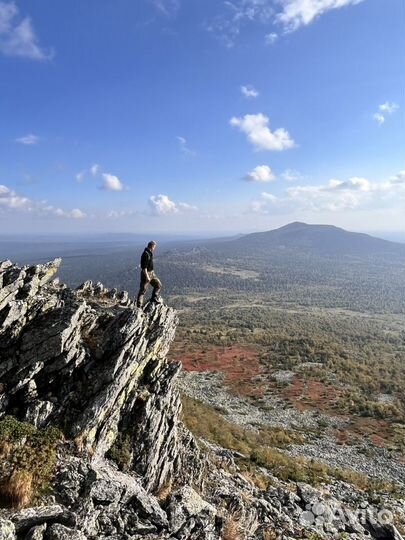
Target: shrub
[[28, 460]]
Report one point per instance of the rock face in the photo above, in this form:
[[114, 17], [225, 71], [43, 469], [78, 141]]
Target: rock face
[[91, 363]]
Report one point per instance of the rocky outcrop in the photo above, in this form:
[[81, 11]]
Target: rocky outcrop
[[91, 363], [88, 361]]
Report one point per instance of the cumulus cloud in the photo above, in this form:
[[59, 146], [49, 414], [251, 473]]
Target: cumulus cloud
[[336, 195], [297, 13], [384, 110], [249, 91], [28, 139], [17, 35], [184, 148], [388, 107], [261, 173], [9, 199], [12, 201], [111, 183], [258, 133], [76, 213], [162, 205]]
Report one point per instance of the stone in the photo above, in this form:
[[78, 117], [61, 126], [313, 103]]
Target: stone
[[60, 532], [36, 533], [7, 528], [30, 517]]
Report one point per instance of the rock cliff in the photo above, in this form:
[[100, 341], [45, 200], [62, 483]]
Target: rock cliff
[[121, 465]]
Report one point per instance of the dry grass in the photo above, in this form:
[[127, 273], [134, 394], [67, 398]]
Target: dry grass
[[5, 449], [164, 491], [256, 479], [27, 461], [269, 534], [17, 490], [232, 529], [262, 449]]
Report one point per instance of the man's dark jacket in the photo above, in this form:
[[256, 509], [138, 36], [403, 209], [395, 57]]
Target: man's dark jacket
[[147, 260]]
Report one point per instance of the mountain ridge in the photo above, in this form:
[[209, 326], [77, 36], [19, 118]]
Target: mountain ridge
[[320, 239]]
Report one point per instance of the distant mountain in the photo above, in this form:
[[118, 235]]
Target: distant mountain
[[318, 240]]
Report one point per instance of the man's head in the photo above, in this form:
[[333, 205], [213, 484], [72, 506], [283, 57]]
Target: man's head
[[152, 245]]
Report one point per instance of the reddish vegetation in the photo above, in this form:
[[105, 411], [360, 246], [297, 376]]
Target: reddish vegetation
[[241, 369], [311, 394], [240, 366], [378, 432]]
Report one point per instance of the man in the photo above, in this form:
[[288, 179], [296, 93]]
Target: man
[[148, 276]]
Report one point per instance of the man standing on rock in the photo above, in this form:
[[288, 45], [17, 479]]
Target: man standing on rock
[[148, 276]]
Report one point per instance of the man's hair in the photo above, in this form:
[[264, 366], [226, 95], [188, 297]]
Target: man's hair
[[151, 243]]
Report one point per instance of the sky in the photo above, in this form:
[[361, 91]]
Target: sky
[[205, 116]]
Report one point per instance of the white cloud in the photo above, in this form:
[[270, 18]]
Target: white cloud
[[255, 126], [297, 13], [378, 117], [161, 205], [111, 183], [388, 107], [169, 8], [116, 214], [249, 91], [184, 147], [17, 36], [187, 207], [228, 25], [270, 38], [336, 195], [291, 175], [287, 14], [261, 173], [384, 110], [80, 176], [76, 213], [12, 201], [28, 139], [95, 169]]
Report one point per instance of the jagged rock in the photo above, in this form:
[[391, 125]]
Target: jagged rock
[[7, 528], [185, 503], [36, 533], [60, 532], [86, 286], [25, 519], [98, 288], [112, 293], [51, 335]]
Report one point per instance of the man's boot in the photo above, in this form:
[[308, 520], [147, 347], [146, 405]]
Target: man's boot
[[156, 299]]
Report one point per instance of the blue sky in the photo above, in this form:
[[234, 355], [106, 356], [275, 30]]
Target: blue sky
[[201, 115]]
